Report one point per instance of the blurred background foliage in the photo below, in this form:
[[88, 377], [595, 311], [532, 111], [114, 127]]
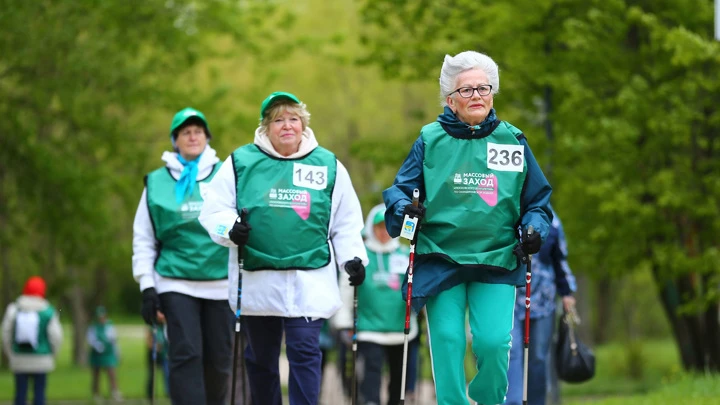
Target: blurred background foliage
[[618, 99]]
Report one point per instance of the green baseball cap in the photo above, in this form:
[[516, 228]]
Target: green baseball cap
[[275, 96], [184, 115], [379, 217]]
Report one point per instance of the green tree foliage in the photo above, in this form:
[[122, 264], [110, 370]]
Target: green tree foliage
[[81, 81], [633, 90]]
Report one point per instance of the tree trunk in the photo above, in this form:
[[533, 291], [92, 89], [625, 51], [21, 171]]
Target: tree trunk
[[76, 302], [712, 337], [687, 329], [603, 300]]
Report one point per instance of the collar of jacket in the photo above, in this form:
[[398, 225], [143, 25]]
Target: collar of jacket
[[458, 129]]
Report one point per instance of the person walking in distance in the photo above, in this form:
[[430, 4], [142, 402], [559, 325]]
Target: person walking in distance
[[551, 276], [31, 335], [104, 353], [381, 312]]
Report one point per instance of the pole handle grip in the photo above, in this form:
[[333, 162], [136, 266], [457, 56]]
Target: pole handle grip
[[416, 197], [243, 215]]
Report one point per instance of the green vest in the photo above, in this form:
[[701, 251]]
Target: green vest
[[289, 203], [381, 307], [473, 189], [108, 357], [185, 248], [43, 346]]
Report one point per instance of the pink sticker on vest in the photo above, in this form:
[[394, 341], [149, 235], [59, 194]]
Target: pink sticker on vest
[[487, 190], [394, 282], [301, 205]]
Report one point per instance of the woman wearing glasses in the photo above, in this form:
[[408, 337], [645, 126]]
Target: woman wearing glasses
[[480, 191]]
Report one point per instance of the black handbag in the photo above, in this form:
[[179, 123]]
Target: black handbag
[[575, 361]]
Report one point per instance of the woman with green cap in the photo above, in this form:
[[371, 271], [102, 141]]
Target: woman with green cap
[[102, 338], [181, 272], [306, 221]]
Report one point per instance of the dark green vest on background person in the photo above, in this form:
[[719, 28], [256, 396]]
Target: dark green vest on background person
[[108, 357], [289, 203], [186, 250], [382, 309], [472, 209], [43, 343]]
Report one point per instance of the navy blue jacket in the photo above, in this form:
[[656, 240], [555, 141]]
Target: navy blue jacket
[[433, 275]]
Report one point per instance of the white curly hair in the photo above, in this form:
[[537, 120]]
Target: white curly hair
[[454, 65]]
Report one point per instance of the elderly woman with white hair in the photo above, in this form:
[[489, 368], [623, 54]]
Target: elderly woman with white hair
[[480, 190], [303, 221]]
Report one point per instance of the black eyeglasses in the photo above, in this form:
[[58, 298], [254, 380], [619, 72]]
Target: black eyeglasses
[[467, 92]]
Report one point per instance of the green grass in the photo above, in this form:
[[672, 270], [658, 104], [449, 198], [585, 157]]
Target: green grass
[[629, 369], [695, 390]]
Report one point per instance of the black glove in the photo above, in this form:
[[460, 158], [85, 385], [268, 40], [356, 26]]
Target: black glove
[[150, 305], [417, 212], [356, 270], [239, 233], [531, 242]]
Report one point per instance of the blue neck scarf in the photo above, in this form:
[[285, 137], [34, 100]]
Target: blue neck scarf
[[186, 183]]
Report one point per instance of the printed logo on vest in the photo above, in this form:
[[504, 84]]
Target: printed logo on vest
[[190, 209], [299, 200], [487, 190], [390, 280], [484, 184]]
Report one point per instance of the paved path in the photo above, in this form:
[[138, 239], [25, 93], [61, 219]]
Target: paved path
[[332, 393]]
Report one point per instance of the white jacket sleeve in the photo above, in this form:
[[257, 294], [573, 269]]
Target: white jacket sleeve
[[93, 340], [219, 211], [55, 333], [347, 221], [343, 319], [7, 327], [144, 245]]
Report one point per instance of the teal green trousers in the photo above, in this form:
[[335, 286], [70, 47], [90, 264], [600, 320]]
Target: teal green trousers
[[491, 320]]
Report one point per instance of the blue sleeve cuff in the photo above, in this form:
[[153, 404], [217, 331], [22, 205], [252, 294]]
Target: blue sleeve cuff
[[409, 177]]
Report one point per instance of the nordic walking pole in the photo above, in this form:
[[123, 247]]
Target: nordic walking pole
[[153, 351], [353, 391], [238, 313], [408, 302], [526, 341]]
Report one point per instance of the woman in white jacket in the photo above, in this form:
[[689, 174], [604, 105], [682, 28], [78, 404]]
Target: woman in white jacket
[[182, 273], [304, 219], [31, 335]]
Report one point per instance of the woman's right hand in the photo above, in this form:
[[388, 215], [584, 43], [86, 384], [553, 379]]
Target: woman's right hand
[[150, 306], [414, 212], [240, 233]]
